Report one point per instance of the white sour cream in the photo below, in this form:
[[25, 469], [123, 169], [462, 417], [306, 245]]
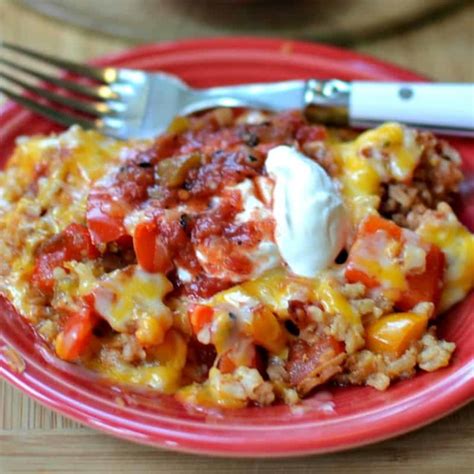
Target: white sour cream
[[309, 212]]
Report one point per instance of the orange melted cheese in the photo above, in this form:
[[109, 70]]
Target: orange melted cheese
[[163, 374]]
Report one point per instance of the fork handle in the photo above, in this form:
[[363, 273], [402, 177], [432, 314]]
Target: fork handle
[[442, 107]]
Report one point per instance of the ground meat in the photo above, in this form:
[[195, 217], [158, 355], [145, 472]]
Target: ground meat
[[436, 179]]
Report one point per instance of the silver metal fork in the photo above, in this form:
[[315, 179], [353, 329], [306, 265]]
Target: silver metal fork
[[127, 103]]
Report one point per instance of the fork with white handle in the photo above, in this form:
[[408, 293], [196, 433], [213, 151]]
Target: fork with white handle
[[127, 103]]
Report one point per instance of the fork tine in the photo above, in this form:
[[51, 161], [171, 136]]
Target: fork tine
[[99, 92], [92, 108], [56, 116], [98, 74]]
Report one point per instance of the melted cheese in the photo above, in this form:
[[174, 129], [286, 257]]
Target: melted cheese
[[163, 373], [334, 302], [389, 152], [276, 288], [131, 300], [443, 229], [44, 189]]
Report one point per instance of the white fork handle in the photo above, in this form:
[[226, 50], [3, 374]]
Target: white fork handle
[[447, 107]]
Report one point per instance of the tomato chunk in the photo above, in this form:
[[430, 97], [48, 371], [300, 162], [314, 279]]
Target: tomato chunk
[[73, 243], [112, 198], [372, 224], [311, 363], [105, 217], [246, 356], [152, 253], [74, 339], [425, 286], [200, 316], [380, 258]]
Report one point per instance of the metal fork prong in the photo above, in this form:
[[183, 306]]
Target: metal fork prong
[[92, 108], [95, 92], [56, 116], [105, 75]]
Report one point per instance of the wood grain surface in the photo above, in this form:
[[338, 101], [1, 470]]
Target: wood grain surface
[[34, 439], [318, 20]]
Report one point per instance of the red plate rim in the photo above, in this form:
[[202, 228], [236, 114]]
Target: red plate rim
[[438, 399]]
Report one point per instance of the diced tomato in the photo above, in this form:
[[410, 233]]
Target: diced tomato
[[166, 145], [74, 339], [73, 243], [373, 223], [311, 133], [354, 275], [226, 364], [313, 363], [365, 243], [370, 257], [152, 254], [233, 359], [425, 286], [200, 316], [109, 202], [105, 217]]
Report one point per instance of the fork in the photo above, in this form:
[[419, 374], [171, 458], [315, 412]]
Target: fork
[[128, 103]]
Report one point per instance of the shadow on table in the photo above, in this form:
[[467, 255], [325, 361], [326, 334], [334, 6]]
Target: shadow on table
[[254, 15]]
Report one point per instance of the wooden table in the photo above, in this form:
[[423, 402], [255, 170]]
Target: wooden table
[[34, 439]]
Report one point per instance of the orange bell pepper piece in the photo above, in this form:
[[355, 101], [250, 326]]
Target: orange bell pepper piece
[[266, 331], [392, 334]]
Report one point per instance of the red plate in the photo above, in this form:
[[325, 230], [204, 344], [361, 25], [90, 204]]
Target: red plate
[[329, 421]]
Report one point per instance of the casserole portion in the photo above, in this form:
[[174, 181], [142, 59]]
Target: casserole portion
[[241, 257]]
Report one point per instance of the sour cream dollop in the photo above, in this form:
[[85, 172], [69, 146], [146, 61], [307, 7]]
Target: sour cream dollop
[[309, 213]]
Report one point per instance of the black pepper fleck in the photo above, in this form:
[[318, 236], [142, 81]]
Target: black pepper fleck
[[342, 257], [184, 220], [250, 139], [291, 327]]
